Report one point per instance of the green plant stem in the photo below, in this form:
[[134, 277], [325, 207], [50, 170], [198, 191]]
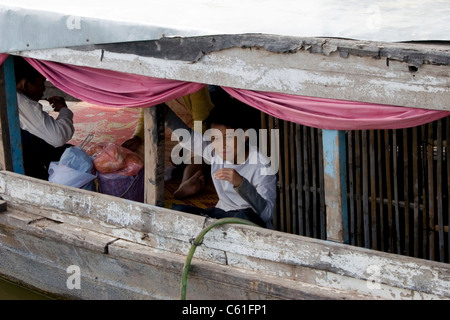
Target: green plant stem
[[198, 241]]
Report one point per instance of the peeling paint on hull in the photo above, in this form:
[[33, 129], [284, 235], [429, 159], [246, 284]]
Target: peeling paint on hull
[[128, 250]]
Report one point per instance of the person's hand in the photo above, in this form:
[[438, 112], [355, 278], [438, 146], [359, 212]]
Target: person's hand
[[132, 143], [229, 175], [57, 103]]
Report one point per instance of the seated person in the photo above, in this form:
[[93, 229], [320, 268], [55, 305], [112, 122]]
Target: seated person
[[239, 170], [44, 138], [198, 104]]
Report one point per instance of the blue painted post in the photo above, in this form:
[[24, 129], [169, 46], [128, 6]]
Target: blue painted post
[[13, 116], [335, 178]]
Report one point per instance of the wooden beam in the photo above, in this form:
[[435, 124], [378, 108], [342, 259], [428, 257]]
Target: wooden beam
[[407, 74], [154, 155], [11, 157], [335, 180]]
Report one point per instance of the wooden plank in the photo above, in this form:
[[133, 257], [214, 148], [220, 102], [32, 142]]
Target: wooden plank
[[431, 196], [447, 155], [281, 182], [358, 178], [205, 280], [300, 170], [320, 67], [388, 155], [323, 213], [365, 189], [424, 205], [436, 228], [188, 48], [439, 193], [381, 184], [282, 257], [415, 185], [396, 147], [125, 219], [373, 191], [287, 180], [313, 162], [105, 264], [306, 153], [351, 188], [406, 191], [343, 183], [293, 183], [154, 150], [276, 220], [335, 178]]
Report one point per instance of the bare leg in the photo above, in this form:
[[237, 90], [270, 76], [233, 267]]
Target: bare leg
[[193, 181]]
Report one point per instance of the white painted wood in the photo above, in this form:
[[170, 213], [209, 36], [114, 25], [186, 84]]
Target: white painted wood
[[325, 74], [285, 260], [335, 178]]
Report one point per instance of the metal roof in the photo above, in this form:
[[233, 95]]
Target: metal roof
[[44, 24]]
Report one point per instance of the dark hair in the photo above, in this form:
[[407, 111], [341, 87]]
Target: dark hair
[[233, 113], [22, 69]]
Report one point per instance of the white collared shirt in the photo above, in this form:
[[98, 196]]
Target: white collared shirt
[[258, 189], [36, 121]]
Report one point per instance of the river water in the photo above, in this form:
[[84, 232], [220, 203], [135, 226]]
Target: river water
[[12, 291]]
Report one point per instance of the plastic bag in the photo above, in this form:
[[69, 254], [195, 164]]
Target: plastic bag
[[74, 168], [112, 158], [76, 158], [65, 175]]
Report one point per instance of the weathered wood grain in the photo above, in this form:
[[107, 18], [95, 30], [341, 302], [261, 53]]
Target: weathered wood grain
[[119, 254], [407, 74]]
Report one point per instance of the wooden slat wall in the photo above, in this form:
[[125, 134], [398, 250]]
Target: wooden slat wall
[[399, 190], [301, 204], [398, 187]]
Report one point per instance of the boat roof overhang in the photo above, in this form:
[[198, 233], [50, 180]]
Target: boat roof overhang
[[45, 24]]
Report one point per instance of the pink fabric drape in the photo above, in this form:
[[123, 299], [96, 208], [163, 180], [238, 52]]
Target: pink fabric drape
[[112, 88], [335, 114], [117, 89], [3, 57]]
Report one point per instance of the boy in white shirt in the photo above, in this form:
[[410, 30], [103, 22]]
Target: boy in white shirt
[[245, 187]]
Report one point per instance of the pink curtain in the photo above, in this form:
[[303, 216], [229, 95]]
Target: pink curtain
[[3, 57], [117, 89], [112, 88], [335, 114]]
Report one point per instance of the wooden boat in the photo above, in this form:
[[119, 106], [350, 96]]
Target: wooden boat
[[80, 244]]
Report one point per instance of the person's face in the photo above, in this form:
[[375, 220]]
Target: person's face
[[35, 89], [227, 145]]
